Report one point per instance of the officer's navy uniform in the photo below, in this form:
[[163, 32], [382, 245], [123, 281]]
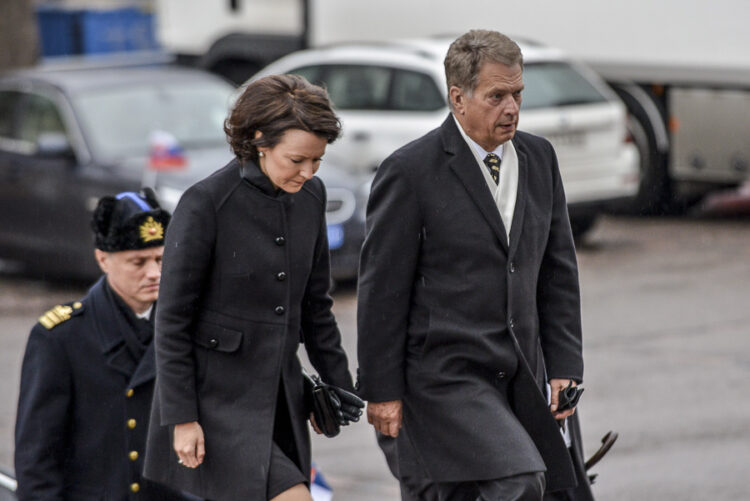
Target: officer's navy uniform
[[86, 387], [87, 382]]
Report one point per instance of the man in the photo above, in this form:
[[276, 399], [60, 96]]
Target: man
[[468, 294], [88, 371]]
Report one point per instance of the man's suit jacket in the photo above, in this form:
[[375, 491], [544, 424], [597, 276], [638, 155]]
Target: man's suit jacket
[[459, 323]]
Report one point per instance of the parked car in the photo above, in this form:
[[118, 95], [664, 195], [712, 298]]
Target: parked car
[[70, 136], [391, 93]]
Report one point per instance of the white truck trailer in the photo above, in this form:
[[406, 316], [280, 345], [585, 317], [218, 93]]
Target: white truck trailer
[[682, 67]]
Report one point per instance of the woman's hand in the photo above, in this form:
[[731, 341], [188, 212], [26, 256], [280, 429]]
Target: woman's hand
[[189, 444]]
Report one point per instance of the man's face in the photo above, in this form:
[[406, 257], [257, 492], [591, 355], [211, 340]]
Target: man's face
[[490, 114], [133, 274]]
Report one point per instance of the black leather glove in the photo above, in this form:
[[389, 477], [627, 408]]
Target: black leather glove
[[568, 397], [348, 405]]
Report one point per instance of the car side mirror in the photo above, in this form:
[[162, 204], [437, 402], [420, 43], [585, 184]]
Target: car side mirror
[[53, 145]]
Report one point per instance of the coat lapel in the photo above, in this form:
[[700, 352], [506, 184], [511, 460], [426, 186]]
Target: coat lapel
[[146, 370], [517, 226], [113, 346], [464, 166]]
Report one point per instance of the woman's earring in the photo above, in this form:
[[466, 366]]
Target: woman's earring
[[260, 154]]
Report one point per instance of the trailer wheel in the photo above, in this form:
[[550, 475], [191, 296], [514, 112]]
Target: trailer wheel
[[655, 188]]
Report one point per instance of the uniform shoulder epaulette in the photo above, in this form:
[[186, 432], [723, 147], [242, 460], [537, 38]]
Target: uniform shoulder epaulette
[[59, 314]]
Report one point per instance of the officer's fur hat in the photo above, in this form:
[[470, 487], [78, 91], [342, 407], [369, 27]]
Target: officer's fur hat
[[129, 221]]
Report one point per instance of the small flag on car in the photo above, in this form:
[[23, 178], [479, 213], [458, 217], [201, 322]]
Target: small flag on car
[[166, 153], [319, 488]]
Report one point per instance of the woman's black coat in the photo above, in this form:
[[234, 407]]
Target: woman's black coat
[[245, 279]]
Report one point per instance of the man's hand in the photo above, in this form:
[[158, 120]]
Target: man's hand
[[385, 416], [189, 444], [556, 386]]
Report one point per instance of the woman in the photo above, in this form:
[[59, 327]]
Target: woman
[[245, 279]]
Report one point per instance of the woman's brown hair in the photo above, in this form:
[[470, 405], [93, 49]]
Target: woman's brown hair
[[273, 105]]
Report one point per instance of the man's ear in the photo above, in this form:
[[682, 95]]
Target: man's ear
[[102, 259], [457, 97]]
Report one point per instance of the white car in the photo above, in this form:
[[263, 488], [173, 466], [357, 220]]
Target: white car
[[391, 93]]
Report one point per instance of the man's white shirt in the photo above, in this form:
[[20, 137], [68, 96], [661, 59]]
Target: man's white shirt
[[505, 191]]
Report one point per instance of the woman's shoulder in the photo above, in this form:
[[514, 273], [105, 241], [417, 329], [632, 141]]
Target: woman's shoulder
[[216, 186]]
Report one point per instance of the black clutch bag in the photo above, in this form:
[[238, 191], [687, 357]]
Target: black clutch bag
[[321, 402]]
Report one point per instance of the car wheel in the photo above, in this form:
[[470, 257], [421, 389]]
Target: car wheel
[[581, 224]]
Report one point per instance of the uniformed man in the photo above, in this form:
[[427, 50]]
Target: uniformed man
[[88, 372]]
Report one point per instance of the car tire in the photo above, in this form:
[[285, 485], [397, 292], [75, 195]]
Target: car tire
[[582, 224], [655, 188]]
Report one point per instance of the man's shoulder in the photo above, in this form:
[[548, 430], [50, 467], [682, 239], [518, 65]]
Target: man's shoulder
[[62, 318]]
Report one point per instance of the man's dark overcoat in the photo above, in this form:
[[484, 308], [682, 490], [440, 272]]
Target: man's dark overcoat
[[83, 408], [462, 325], [245, 277]]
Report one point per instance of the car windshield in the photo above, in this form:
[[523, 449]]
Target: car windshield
[[120, 121], [556, 84]]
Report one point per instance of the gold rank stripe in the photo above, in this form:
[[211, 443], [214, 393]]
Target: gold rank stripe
[[55, 316]]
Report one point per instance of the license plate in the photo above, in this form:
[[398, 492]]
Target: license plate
[[335, 236]]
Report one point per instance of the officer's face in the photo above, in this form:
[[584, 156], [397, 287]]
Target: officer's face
[[489, 115], [294, 160], [133, 274]]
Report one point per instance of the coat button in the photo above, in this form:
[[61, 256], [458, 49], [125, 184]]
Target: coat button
[[133, 455], [281, 276], [512, 267], [135, 487], [511, 322], [280, 241], [131, 423], [130, 392], [279, 310], [500, 375], [213, 343]]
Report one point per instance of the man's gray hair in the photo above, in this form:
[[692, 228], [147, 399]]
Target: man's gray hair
[[471, 50]]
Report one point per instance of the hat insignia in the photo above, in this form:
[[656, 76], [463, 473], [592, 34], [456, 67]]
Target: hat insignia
[[151, 230]]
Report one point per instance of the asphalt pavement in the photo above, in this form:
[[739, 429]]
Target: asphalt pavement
[[667, 353]]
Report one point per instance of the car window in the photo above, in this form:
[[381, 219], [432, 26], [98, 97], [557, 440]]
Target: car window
[[38, 115], [413, 91], [556, 84], [8, 102], [120, 121], [311, 73], [358, 87]]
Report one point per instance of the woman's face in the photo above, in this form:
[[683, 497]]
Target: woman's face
[[293, 161]]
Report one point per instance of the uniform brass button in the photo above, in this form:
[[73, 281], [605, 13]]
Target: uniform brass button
[[130, 392], [280, 241], [77, 305], [281, 276], [213, 343], [133, 455], [131, 423], [135, 487], [279, 310]]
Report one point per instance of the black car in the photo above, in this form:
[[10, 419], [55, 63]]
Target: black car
[[70, 136]]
